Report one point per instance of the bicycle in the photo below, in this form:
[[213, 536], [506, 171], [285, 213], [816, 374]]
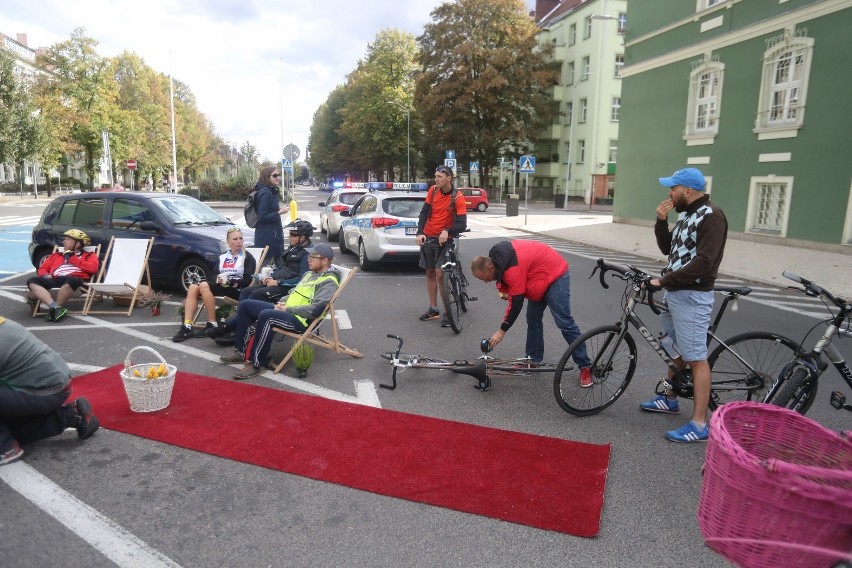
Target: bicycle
[[743, 367], [796, 386], [454, 285], [481, 369]]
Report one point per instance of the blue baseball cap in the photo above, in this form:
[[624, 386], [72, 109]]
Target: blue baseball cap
[[687, 177]]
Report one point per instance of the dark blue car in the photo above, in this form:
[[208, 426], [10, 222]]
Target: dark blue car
[[188, 235]]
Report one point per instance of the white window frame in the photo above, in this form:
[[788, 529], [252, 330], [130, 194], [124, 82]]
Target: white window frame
[[619, 65], [697, 99], [792, 89], [612, 154], [581, 150], [702, 5], [615, 109], [572, 34], [569, 72], [755, 186], [587, 27], [586, 65], [583, 111], [569, 112]]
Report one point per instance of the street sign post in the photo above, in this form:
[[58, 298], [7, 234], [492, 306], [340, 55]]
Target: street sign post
[[526, 165], [131, 164]]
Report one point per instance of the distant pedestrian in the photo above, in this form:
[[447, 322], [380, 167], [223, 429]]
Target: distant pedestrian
[[269, 230], [35, 382], [66, 270], [695, 247]]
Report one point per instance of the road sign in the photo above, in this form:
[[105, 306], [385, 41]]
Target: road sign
[[450, 155], [474, 167], [450, 163], [131, 164], [287, 165], [527, 165]]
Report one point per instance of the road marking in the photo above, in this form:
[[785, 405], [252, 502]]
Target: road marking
[[104, 534]]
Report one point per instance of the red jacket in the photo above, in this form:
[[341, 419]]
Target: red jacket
[[525, 269], [82, 266]]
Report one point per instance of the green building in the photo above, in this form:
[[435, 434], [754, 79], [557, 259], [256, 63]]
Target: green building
[[756, 94]]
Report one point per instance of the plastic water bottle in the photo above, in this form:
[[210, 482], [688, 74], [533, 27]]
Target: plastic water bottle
[[669, 346]]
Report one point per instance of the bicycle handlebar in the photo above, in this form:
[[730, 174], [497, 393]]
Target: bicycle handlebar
[[629, 272], [811, 288]]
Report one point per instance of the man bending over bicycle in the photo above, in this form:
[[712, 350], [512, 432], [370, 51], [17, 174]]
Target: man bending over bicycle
[[443, 217], [535, 271], [695, 247]]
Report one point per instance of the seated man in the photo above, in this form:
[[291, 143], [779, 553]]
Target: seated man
[[65, 270], [305, 302], [34, 384]]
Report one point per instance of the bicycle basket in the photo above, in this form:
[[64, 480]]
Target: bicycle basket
[[777, 488]]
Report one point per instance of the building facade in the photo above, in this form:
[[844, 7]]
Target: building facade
[[755, 94], [576, 155]]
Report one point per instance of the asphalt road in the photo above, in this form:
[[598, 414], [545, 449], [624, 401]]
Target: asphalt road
[[181, 507]]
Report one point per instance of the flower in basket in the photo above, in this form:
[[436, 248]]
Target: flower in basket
[[153, 372], [153, 298]]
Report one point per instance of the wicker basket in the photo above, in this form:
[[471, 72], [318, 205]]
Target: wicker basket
[[777, 489], [147, 395]]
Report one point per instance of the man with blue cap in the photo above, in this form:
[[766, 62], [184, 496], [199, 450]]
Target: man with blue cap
[[695, 247]]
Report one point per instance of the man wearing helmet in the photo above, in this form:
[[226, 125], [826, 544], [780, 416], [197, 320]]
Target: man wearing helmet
[[294, 263], [65, 270]]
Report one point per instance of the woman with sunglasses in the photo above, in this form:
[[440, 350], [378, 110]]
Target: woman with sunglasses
[[236, 267], [269, 231]]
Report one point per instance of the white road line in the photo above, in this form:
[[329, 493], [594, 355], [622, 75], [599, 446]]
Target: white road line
[[104, 534]]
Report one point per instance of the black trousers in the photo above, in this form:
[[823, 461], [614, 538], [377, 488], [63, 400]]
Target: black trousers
[[26, 418]]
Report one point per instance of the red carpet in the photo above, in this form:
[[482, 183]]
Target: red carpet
[[522, 478]]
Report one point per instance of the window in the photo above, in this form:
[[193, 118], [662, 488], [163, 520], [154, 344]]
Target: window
[[622, 22], [572, 34], [704, 4], [587, 67], [128, 214], [82, 213], [783, 88], [569, 80], [581, 151], [619, 64], [615, 109], [769, 205], [584, 107], [569, 113], [613, 151], [587, 27], [568, 155], [705, 96]]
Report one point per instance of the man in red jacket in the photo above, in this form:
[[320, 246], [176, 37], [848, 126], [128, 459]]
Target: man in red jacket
[[65, 270], [533, 270]]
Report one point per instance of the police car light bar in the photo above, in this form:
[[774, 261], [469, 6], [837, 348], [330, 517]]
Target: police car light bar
[[399, 186]]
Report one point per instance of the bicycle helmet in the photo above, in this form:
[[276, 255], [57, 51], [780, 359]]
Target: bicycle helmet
[[301, 228], [78, 235]]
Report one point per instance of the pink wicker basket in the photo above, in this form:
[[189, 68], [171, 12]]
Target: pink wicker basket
[[777, 489]]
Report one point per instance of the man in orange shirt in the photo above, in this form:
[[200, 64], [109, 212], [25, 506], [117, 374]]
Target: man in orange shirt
[[443, 217]]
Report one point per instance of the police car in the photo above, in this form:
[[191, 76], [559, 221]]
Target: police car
[[382, 225]]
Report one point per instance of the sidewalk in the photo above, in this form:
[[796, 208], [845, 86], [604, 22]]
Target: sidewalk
[[748, 260]]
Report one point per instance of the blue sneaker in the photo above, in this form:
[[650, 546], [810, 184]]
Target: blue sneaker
[[688, 433], [661, 403]]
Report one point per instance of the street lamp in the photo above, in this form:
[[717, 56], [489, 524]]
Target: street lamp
[[408, 145]]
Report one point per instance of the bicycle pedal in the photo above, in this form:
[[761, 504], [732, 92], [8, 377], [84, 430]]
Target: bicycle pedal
[[837, 400], [472, 298]]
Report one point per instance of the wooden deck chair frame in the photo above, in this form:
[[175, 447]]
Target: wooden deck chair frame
[[126, 284], [80, 292], [311, 336], [259, 255]]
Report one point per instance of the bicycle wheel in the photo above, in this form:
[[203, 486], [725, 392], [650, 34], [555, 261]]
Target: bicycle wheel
[[462, 289], [797, 392], [613, 362], [416, 360], [748, 366], [452, 300]]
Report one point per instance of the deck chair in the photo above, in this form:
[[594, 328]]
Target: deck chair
[[40, 309], [259, 255], [312, 336], [128, 264]]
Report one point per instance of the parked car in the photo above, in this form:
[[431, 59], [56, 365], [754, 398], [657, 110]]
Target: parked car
[[381, 228], [339, 200], [188, 235], [475, 198]]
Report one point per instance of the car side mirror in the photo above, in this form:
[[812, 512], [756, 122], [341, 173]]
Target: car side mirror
[[347, 213], [149, 226], [321, 203]]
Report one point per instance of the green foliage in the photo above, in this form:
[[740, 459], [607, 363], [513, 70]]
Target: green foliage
[[303, 357], [19, 129]]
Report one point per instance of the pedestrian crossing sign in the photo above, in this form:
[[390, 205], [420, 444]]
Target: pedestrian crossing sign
[[286, 165], [474, 167], [527, 165]]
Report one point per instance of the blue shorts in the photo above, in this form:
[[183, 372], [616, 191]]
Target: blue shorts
[[687, 321]]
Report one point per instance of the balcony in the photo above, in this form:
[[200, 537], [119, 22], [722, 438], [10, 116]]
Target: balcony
[[552, 132], [557, 93], [548, 170], [558, 53]]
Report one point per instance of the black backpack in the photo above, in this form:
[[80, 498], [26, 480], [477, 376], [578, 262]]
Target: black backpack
[[250, 209]]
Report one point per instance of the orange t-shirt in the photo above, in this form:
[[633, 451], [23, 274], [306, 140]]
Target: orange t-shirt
[[441, 216]]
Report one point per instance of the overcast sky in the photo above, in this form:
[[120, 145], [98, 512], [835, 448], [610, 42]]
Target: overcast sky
[[232, 53]]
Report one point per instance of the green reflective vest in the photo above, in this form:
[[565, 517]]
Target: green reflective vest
[[303, 293]]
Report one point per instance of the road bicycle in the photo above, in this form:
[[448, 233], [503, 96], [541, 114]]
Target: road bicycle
[[796, 386], [482, 368], [454, 285], [743, 367]]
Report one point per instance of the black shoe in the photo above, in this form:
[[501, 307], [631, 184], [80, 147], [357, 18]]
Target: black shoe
[[445, 321], [59, 313], [208, 331], [51, 314], [218, 331], [431, 314], [87, 423], [227, 339], [183, 334]]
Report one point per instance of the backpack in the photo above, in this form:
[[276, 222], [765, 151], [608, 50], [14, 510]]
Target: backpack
[[250, 209]]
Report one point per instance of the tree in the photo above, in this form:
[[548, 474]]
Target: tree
[[483, 83], [330, 152], [19, 126]]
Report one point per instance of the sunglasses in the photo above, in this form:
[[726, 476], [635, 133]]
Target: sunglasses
[[276, 175], [234, 229], [444, 170]]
